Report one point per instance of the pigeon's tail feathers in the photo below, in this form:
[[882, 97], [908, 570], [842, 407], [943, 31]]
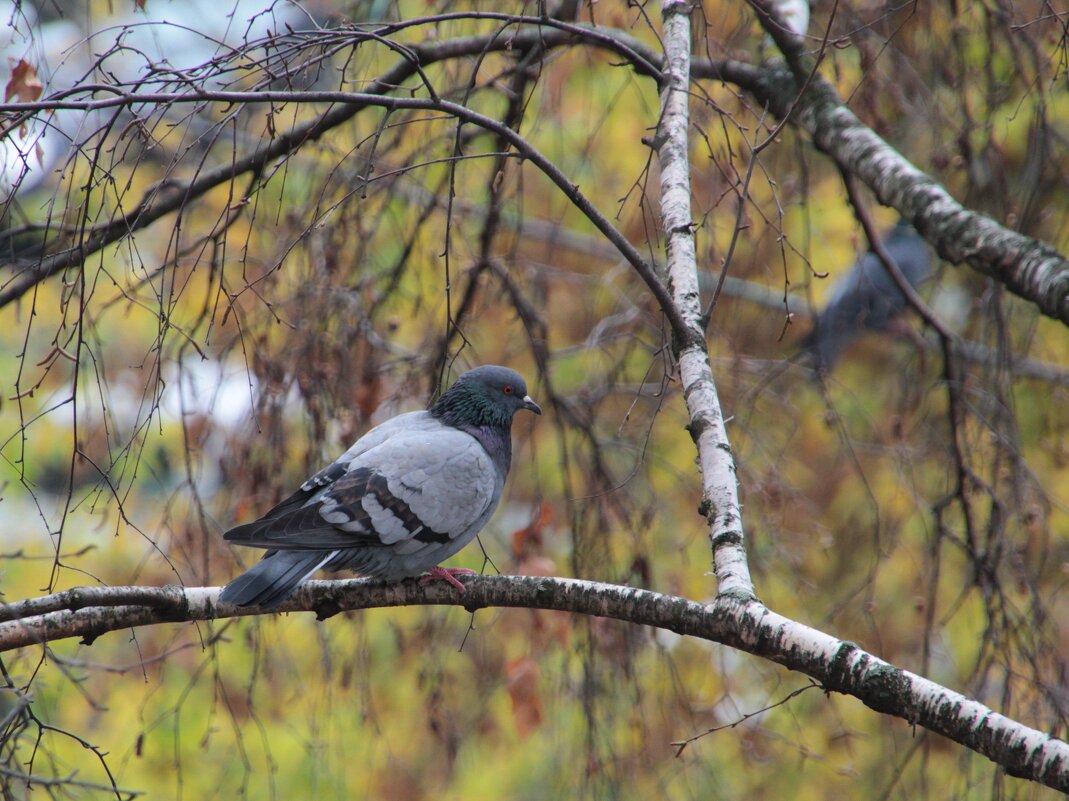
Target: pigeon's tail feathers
[[274, 578]]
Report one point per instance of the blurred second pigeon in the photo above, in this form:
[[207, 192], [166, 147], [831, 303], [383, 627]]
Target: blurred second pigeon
[[867, 298]]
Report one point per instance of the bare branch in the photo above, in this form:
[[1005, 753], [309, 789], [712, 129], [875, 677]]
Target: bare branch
[[1029, 268], [352, 103], [735, 620]]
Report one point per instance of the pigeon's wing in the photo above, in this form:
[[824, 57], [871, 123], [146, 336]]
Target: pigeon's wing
[[408, 423], [431, 485], [867, 296], [863, 298], [884, 301], [868, 281], [402, 423]]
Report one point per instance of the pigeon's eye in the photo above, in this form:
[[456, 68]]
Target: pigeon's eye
[[508, 390]]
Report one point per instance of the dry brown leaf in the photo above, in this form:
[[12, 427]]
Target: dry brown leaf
[[521, 676], [24, 83], [527, 541]]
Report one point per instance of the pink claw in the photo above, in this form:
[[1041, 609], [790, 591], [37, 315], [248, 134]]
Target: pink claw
[[448, 574]]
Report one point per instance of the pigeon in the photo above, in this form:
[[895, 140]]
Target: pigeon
[[408, 495], [867, 297]]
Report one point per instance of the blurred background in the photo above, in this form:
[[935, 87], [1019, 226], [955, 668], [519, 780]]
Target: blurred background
[[196, 313]]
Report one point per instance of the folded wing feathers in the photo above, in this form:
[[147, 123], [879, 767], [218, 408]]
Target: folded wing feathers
[[417, 480]]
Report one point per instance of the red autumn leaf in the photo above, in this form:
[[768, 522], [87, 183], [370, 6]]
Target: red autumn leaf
[[23, 83], [369, 396], [527, 541]]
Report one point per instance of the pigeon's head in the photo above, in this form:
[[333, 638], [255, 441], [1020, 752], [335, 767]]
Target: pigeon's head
[[486, 396]]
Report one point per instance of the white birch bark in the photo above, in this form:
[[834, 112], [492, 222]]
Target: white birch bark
[[1027, 267], [720, 502], [733, 620], [843, 666]]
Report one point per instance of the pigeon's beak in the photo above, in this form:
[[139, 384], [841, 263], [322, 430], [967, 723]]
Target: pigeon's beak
[[531, 405]]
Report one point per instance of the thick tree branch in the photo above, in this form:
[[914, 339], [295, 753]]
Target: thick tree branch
[[1030, 269], [735, 620], [790, 42], [720, 503]]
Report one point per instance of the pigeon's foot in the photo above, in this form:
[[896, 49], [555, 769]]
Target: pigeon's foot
[[448, 574]]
